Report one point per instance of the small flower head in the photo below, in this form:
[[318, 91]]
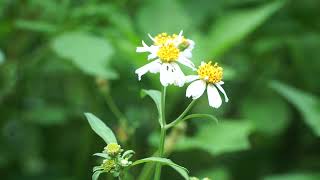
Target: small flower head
[[166, 53], [112, 149], [108, 165], [209, 77], [210, 73]]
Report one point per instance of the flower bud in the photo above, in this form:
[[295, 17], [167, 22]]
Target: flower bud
[[113, 149]]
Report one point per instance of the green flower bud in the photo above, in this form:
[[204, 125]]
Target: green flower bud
[[108, 165], [112, 149]]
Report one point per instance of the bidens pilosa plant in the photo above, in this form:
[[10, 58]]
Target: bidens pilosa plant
[[166, 54]]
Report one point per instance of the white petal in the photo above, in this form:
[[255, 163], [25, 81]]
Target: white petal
[[226, 99], [213, 96], [191, 45], [153, 50], [166, 74], [196, 89], [179, 77], [221, 83], [191, 78], [144, 48], [152, 67], [151, 37], [187, 53], [185, 61]]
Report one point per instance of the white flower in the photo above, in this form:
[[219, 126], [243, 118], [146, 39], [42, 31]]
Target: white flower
[[166, 51], [209, 77]]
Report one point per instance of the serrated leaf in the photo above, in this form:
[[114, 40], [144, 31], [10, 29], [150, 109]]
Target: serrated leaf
[[227, 136], [306, 103], [181, 170], [156, 97], [101, 129], [89, 53]]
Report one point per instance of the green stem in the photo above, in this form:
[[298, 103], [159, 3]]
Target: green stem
[[180, 118], [162, 133]]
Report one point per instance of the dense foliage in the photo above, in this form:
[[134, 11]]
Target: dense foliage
[[61, 58]]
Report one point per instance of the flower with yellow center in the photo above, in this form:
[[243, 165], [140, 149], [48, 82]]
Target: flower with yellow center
[[165, 52], [209, 77], [112, 149]]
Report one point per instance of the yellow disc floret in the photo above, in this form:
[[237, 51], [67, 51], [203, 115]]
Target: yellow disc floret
[[168, 53], [161, 39], [210, 73], [113, 149]]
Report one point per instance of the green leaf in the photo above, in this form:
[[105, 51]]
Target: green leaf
[[232, 28], [156, 97], [97, 168], [163, 16], [294, 176], [205, 116], [1, 57], [89, 53], [36, 26], [101, 129], [306, 103], [103, 155], [96, 175], [269, 114], [227, 136], [181, 170], [47, 115]]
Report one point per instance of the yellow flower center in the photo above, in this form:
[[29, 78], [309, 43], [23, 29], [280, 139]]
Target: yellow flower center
[[161, 39], [168, 53], [210, 73], [113, 149]]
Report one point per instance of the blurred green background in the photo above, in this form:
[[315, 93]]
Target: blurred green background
[[61, 58]]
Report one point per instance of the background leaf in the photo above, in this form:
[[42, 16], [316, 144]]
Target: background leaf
[[295, 176], [306, 103], [156, 97], [89, 53], [2, 57], [163, 16], [231, 28], [101, 129], [227, 136]]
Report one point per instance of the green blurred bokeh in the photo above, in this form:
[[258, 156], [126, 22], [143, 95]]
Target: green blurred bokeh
[[61, 58]]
